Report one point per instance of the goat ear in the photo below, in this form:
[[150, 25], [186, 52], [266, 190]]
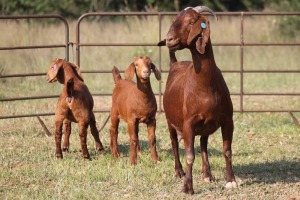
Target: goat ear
[[76, 70], [53, 71], [129, 72], [156, 72], [194, 32], [202, 41], [162, 43]]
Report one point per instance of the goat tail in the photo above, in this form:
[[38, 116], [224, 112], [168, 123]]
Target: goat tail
[[172, 57], [116, 74]]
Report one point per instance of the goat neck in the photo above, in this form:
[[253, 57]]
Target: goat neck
[[68, 73], [203, 63], [145, 86]]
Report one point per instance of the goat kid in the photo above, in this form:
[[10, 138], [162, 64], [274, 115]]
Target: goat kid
[[196, 99], [134, 103], [75, 104]]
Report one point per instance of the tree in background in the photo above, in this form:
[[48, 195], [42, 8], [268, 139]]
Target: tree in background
[[75, 8]]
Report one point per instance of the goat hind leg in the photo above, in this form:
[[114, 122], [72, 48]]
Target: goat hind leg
[[58, 136], [67, 133], [83, 139], [205, 163], [95, 134], [174, 140], [227, 134]]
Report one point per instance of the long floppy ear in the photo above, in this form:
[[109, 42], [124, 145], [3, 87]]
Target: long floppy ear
[[202, 41], [156, 71], [54, 69], [76, 70], [195, 31], [129, 72]]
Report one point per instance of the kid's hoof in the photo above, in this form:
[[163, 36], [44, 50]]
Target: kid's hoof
[[231, 185]]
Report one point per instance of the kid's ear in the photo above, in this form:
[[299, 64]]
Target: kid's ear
[[53, 70], [129, 72]]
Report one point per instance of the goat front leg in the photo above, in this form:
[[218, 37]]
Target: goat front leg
[[67, 133], [174, 140], [189, 139], [83, 138], [58, 136], [151, 126], [95, 134], [205, 163], [227, 134], [134, 143]]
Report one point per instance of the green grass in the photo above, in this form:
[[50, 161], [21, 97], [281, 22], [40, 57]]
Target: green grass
[[266, 163], [265, 148]]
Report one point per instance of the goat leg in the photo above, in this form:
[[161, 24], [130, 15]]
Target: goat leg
[[114, 135], [95, 134], [58, 136], [205, 163], [227, 134], [67, 133], [178, 167], [151, 126], [189, 139], [83, 138], [134, 143]]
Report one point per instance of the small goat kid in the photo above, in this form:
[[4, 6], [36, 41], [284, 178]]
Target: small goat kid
[[134, 103], [196, 99], [75, 104]]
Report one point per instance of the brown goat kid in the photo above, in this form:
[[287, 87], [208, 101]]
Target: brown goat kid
[[75, 104], [196, 100], [134, 103]]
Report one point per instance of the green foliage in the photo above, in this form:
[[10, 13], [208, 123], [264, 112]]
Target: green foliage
[[75, 8], [287, 25]]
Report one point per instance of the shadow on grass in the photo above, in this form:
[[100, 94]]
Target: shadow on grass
[[269, 172], [124, 149]]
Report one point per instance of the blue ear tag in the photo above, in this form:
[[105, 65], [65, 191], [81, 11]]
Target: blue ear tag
[[203, 25]]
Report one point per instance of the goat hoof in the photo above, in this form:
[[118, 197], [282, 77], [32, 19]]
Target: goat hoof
[[65, 149], [180, 173], [156, 160], [231, 185], [100, 150], [188, 191], [59, 156], [207, 180]]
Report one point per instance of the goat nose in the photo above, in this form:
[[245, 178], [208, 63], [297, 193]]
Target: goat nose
[[146, 71], [170, 39]]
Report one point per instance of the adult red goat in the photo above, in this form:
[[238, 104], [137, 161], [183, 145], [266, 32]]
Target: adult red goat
[[196, 99]]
